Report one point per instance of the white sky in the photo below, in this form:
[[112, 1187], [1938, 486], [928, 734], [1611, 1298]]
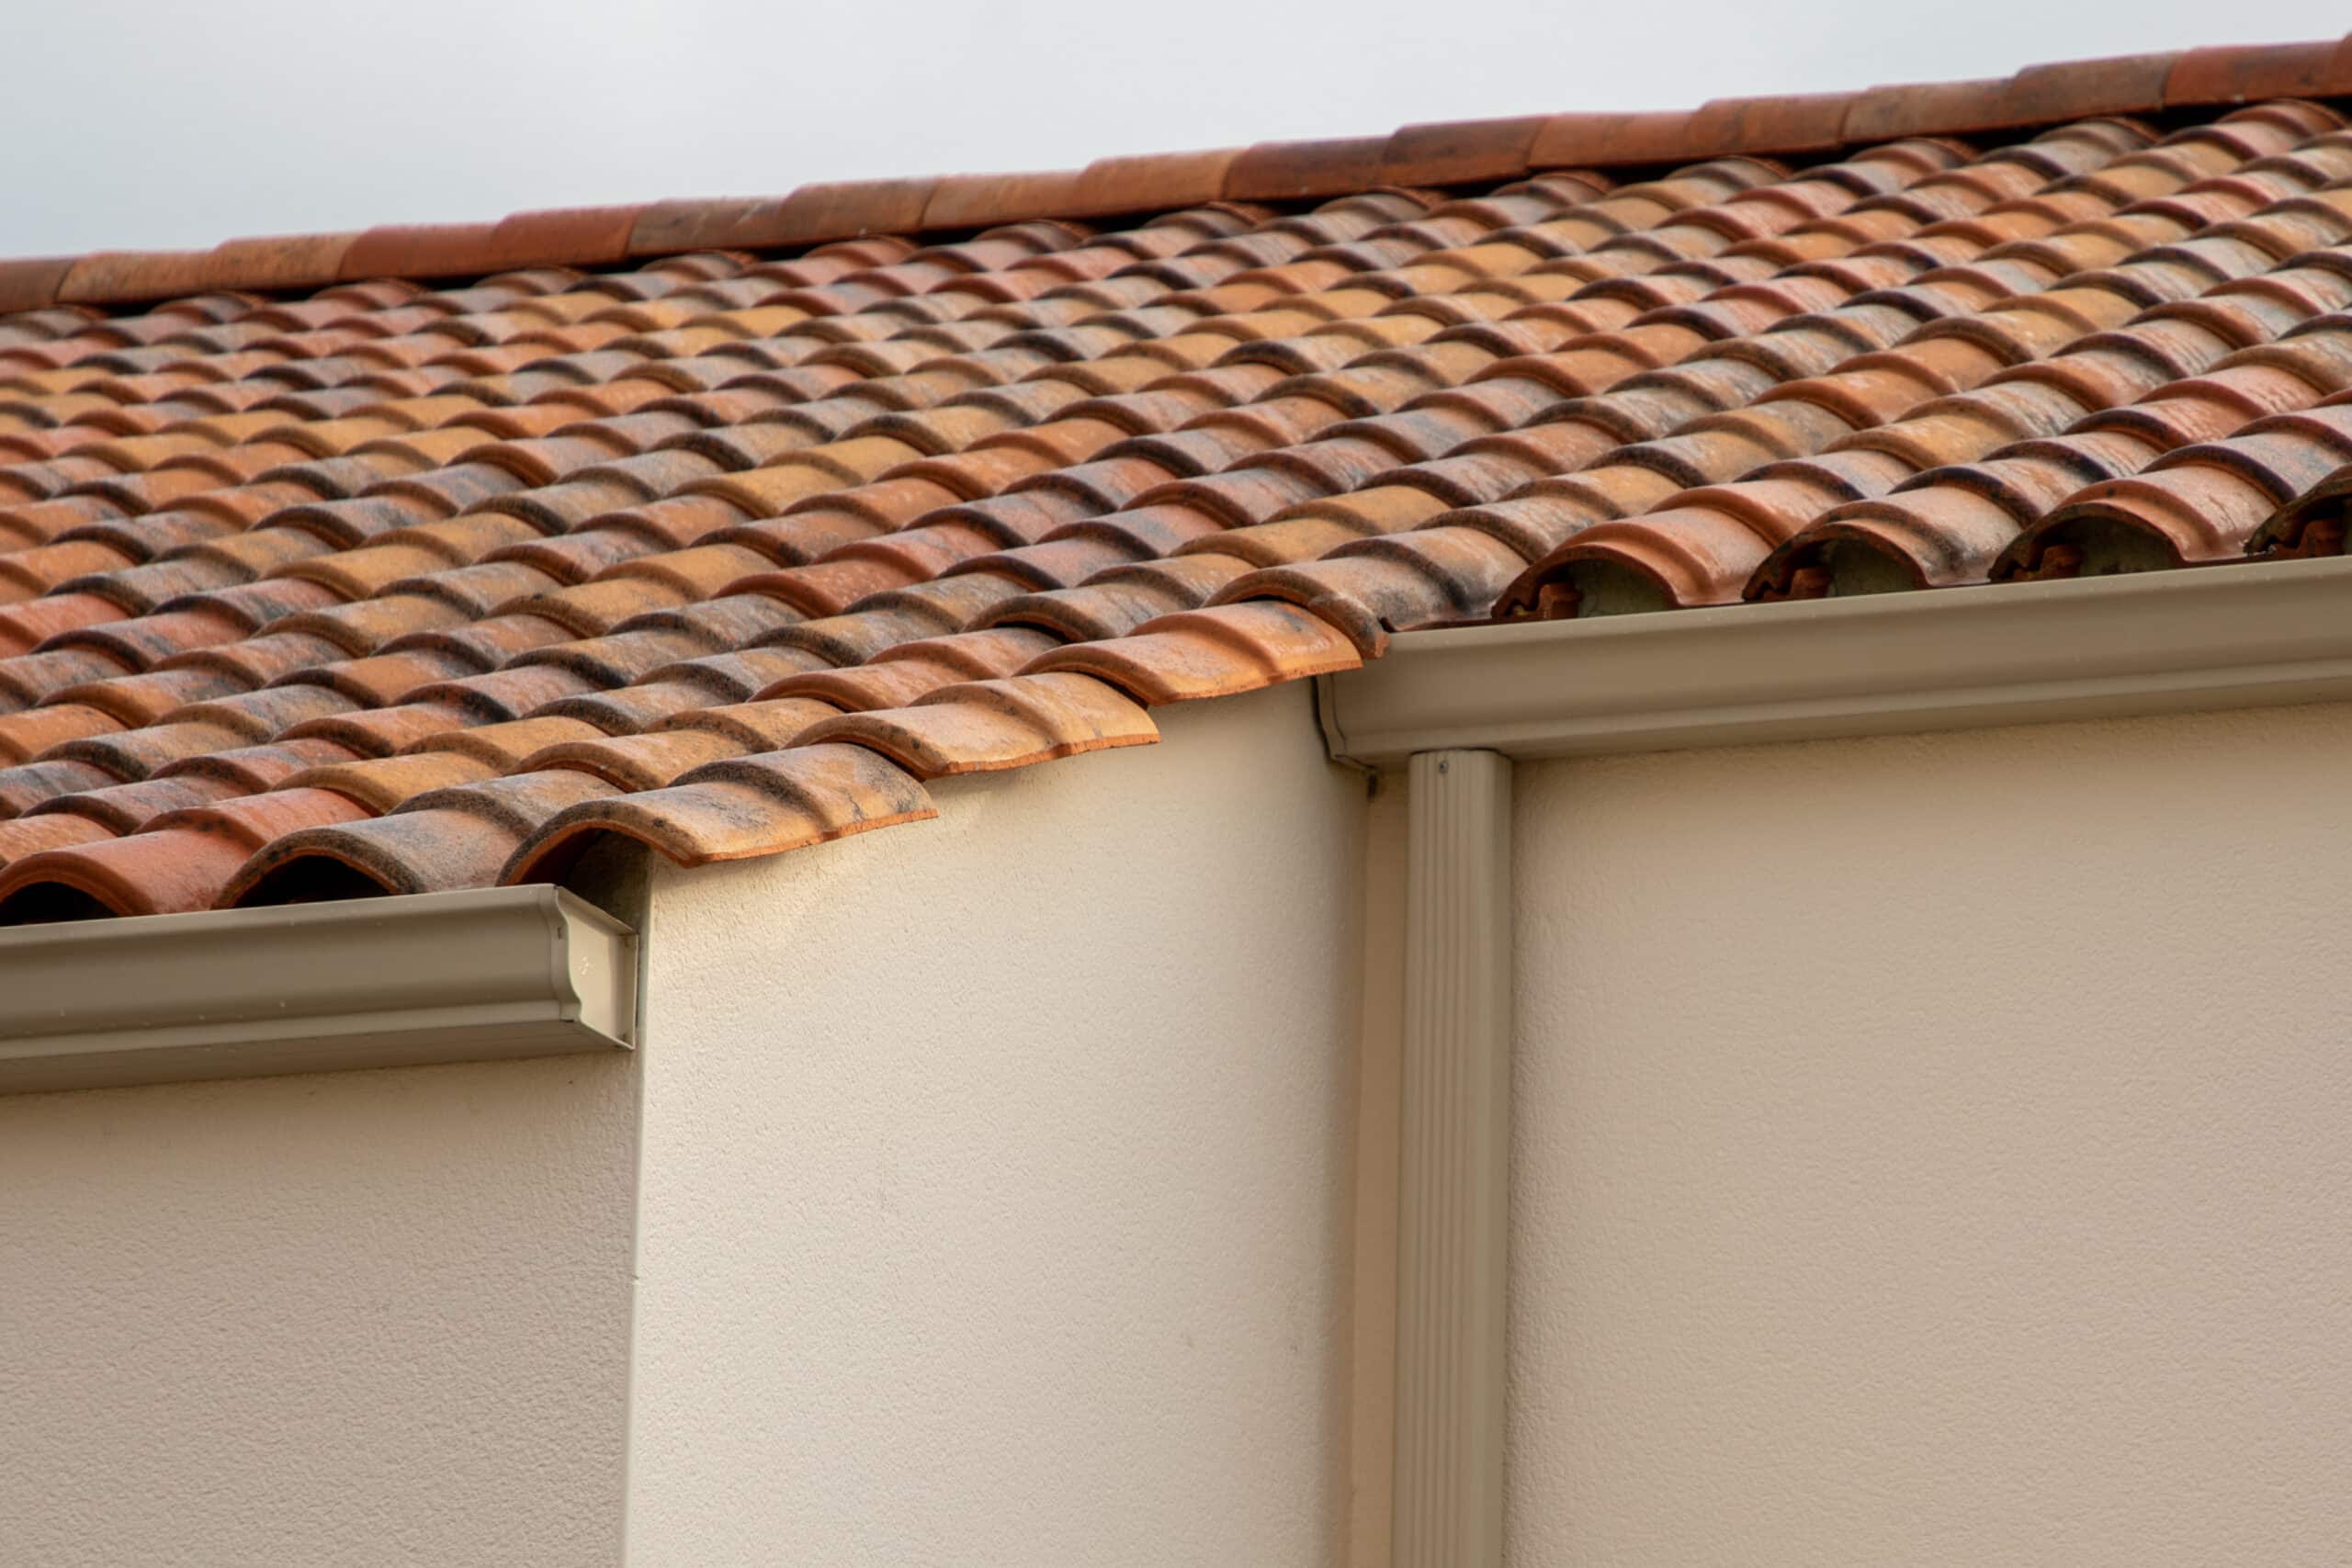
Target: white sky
[[136, 123]]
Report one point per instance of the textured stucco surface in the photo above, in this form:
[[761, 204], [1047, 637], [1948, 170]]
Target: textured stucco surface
[[1933, 1150], [352, 1318], [996, 1178]]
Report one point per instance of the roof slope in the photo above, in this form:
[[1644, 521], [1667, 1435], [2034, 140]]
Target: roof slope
[[393, 588]]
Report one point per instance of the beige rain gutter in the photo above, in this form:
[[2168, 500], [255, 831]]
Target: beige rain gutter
[[479, 976], [1457, 706], [1961, 658]]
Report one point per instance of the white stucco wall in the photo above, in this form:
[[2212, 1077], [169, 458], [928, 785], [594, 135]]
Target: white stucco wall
[[996, 1172], [355, 1318], [1935, 1150]]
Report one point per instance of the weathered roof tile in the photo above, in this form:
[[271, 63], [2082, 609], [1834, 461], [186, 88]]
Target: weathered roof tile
[[346, 565]]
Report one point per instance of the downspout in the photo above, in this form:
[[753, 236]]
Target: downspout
[[1455, 1184]]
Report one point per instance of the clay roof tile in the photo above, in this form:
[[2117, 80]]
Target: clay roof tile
[[351, 564]]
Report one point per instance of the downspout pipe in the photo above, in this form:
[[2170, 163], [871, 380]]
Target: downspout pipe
[[1455, 1184]]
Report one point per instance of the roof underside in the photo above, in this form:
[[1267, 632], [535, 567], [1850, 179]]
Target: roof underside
[[392, 588]]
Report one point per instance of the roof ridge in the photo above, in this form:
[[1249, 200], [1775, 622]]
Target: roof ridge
[[1435, 154]]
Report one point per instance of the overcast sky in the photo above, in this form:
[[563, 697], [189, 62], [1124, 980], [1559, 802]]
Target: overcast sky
[[134, 123]]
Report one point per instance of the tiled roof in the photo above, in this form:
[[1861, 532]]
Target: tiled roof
[[729, 526]]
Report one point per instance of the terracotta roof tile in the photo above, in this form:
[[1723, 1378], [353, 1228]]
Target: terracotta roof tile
[[2238, 73], [730, 810], [1152, 183], [1210, 653], [180, 863], [343, 565], [1459, 151], [27, 285], [985, 726], [420, 250], [1293, 170], [2119, 85]]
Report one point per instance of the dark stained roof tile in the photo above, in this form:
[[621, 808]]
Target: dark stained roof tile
[[1293, 170]]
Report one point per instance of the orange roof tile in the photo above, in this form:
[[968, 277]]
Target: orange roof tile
[[422, 558]]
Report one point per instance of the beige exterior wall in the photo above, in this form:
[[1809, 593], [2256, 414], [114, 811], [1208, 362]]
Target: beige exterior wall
[[989, 1186], [1926, 1150], [1934, 1150], [352, 1318], [997, 1180]]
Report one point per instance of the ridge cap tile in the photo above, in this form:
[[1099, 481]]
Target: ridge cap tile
[[1432, 152]]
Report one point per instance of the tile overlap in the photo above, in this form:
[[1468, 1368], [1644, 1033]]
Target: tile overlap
[[426, 558]]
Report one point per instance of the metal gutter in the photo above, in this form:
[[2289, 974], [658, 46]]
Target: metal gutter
[[2014, 653], [476, 975]]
